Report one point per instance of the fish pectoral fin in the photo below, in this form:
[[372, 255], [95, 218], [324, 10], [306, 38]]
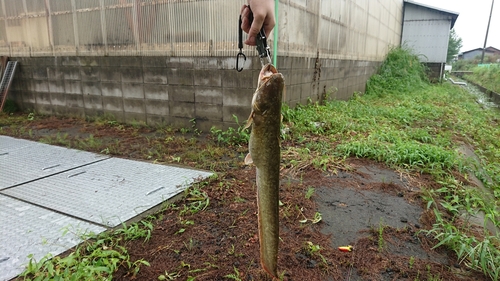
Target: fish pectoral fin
[[248, 159], [249, 121]]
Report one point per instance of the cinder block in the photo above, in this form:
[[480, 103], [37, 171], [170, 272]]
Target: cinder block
[[91, 88], [179, 122], [157, 107], [154, 61], [72, 87], [56, 86], [24, 71], [182, 109], [58, 99], [55, 73], [92, 102], [327, 73], [70, 61], [40, 72], [111, 61], [133, 90], [179, 76], [89, 61], [299, 63], [111, 89], [131, 61], [155, 75], [74, 101], [112, 104], [241, 113], [307, 91], [206, 125], [283, 63], [155, 91], [93, 112], [230, 63], [180, 62], [208, 95], [132, 117], [130, 74], [89, 73], [208, 78], [157, 120], [339, 73], [237, 97], [40, 86], [45, 109], [111, 74], [28, 97], [114, 115], [134, 106], [207, 63], [234, 79], [71, 73], [18, 85], [293, 93], [63, 110], [208, 111], [181, 93]]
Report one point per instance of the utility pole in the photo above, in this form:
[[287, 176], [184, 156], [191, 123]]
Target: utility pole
[[487, 29]]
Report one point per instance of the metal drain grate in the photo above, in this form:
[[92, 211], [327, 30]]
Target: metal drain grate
[[6, 81]]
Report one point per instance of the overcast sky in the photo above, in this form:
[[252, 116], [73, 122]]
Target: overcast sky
[[472, 21]]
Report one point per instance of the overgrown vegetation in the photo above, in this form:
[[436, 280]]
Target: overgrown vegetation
[[402, 121], [95, 259], [401, 72], [488, 77], [415, 127]]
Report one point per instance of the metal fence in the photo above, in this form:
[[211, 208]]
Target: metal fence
[[344, 28]]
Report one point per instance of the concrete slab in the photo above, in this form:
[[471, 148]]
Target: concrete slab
[[27, 229], [108, 192], [23, 161]]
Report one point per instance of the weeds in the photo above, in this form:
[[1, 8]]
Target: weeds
[[488, 77], [381, 242], [95, 259], [231, 136]]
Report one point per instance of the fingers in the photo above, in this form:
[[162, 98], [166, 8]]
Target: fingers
[[263, 17]]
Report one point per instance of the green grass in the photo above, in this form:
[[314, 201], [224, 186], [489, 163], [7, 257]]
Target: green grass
[[402, 120], [414, 126], [95, 259], [488, 77]]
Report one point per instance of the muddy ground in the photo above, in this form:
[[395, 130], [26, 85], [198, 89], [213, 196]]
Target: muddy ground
[[361, 203]]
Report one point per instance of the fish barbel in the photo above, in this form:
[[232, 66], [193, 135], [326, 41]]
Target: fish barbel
[[264, 147]]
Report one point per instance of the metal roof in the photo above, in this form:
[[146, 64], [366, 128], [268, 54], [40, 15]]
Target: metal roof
[[454, 15]]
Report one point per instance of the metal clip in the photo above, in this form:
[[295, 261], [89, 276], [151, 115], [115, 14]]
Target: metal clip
[[262, 48], [240, 46]]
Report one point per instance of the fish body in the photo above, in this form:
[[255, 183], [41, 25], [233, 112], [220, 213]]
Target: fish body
[[264, 147]]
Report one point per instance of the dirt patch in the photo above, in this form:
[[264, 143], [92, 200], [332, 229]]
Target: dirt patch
[[375, 209]]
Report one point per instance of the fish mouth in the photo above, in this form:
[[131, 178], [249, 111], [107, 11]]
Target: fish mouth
[[266, 72]]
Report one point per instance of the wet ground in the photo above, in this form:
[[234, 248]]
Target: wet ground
[[365, 204]]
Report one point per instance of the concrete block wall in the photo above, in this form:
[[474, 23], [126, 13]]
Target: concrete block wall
[[173, 90]]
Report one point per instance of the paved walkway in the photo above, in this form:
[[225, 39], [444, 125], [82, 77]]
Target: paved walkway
[[47, 190]]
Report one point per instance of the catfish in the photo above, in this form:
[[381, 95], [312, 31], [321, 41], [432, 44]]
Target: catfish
[[265, 154]]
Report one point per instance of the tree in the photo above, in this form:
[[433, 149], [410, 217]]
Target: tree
[[454, 45]]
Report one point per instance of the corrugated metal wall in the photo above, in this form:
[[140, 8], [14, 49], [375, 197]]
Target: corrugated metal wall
[[344, 29], [418, 21]]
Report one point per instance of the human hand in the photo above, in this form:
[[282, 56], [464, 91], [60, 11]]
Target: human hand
[[263, 16]]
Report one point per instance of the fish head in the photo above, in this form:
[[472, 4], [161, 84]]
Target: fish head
[[270, 89]]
